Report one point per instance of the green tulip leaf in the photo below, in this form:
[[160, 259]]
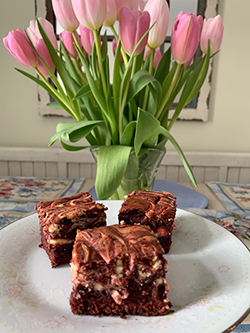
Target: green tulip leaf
[[128, 134], [200, 80], [186, 165], [111, 166], [139, 81], [154, 97], [147, 130], [73, 70], [162, 69], [73, 148], [138, 63], [85, 90], [55, 137], [82, 130], [74, 132]]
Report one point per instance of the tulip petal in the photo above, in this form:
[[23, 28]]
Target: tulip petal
[[159, 13], [44, 54], [20, 48], [132, 26], [90, 14], [212, 30], [185, 36], [65, 14]]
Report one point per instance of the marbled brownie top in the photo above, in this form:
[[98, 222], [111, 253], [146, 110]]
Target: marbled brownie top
[[72, 209], [116, 241], [152, 204]]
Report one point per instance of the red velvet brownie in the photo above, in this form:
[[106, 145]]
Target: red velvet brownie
[[118, 270], [155, 209], [59, 219]]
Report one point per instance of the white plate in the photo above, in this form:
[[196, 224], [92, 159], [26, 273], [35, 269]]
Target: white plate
[[209, 279]]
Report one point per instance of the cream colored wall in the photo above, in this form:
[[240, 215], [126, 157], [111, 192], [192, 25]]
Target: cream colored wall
[[228, 127]]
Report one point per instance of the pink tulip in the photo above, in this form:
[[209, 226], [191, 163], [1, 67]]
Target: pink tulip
[[34, 33], [185, 36], [87, 39], [91, 14], [68, 41], [65, 14], [44, 54], [159, 13], [130, 4], [111, 13], [19, 46], [132, 26], [212, 31], [157, 56]]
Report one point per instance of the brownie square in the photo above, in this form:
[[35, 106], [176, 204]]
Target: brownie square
[[118, 270], [59, 219], [155, 209]]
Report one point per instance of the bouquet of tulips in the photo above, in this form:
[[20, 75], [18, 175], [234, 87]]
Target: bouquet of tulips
[[125, 109]]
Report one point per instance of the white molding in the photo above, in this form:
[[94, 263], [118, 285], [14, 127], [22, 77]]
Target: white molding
[[56, 162]]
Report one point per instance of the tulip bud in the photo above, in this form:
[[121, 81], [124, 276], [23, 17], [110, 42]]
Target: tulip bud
[[185, 36], [159, 13], [212, 31], [65, 14], [91, 14], [19, 46], [42, 50], [87, 39], [111, 13], [132, 26], [68, 41], [157, 56], [130, 4], [35, 35]]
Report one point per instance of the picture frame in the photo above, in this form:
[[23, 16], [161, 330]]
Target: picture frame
[[198, 109]]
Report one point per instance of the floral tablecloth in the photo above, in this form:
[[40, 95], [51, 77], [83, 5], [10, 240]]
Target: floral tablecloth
[[18, 195]]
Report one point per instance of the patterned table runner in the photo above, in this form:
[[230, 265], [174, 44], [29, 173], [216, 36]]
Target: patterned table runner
[[19, 195]]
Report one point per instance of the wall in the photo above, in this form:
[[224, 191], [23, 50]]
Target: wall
[[227, 129]]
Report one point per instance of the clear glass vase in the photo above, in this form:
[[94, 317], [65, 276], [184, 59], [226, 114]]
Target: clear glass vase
[[140, 173]]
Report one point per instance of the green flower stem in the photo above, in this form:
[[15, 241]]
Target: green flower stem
[[124, 55], [150, 70], [60, 98], [124, 98], [178, 110], [99, 56], [170, 90]]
